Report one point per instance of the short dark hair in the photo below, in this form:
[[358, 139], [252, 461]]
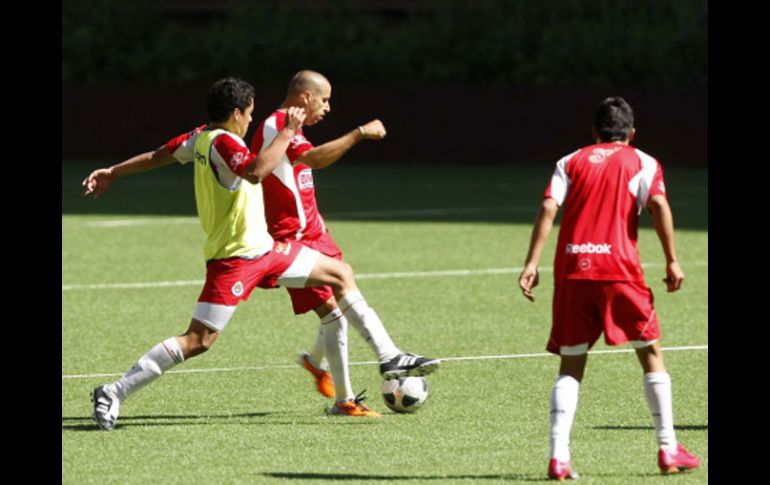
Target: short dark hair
[[614, 119], [226, 95]]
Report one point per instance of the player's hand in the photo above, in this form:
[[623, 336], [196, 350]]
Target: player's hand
[[98, 182], [295, 116], [674, 276], [529, 279], [374, 130]]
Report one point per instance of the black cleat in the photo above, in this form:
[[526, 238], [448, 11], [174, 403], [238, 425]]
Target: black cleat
[[404, 365]]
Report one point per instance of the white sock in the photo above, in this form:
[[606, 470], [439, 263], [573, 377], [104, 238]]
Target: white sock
[[150, 366], [657, 390], [564, 399], [335, 335], [317, 352], [368, 325]]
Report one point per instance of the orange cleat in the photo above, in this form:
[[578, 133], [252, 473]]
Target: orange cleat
[[353, 407], [323, 379]]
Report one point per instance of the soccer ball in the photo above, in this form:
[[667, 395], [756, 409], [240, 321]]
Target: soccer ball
[[406, 394]]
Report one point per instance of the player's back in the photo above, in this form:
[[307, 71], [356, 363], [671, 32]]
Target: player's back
[[605, 186]]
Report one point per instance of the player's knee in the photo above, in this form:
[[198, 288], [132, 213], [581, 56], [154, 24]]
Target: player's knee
[[346, 274]]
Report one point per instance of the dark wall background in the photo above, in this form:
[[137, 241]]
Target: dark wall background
[[489, 81], [425, 124]]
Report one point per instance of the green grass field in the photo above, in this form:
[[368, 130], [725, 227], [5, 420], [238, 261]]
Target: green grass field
[[246, 413]]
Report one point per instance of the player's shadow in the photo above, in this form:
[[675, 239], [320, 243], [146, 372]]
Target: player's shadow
[[356, 477], [86, 423], [678, 427]]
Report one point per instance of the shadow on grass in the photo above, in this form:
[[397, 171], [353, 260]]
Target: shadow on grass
[[86, 423], [397, 478], [680, 427]]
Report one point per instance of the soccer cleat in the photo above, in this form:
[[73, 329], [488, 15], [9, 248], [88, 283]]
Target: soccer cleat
[[680, 460], [323, 379], [561, 470], [353, 407], [404, 365], [106, 408]]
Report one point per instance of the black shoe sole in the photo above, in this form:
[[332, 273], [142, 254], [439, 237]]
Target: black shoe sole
[[423, 370]]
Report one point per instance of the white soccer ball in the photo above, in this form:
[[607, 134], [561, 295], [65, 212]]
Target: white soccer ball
[[406, 394]]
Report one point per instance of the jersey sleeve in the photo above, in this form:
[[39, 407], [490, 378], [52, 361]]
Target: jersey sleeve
[[233, 152], [559, 185], [181, 147], [650, 179], [297, 146]]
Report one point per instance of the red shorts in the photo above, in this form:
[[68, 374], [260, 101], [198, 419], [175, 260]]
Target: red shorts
[[583, 309], [231, 280], [305, 299]]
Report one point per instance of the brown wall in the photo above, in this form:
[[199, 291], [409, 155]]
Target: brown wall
[[425, 125]]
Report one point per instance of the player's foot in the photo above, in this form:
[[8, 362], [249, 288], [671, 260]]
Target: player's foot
[[353, 407], [323, 379], [561, 470], [680, 460], [404, 365], [106, 408]]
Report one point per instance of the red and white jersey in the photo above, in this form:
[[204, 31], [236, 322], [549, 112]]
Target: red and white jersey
[[603, 189], [290, 205], [229, 155]]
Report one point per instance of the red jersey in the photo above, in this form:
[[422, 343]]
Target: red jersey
[[289, 194], [603, 189]]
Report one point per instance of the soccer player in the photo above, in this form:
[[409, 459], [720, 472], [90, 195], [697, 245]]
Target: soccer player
[[240, 254], [599, 283], [292, 215]]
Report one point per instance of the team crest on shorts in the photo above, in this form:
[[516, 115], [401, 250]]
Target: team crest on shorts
[[237, 288]]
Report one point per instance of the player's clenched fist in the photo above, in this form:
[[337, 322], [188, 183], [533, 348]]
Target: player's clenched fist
[[374, 130]]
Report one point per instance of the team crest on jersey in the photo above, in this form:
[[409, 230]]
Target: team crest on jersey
[[283, 248], [599, 155], [305, 179], [237, 159], [237, 288], [297, 140], [584, 264]]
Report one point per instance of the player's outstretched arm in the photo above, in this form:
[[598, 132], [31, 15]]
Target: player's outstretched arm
[[328, 153], [266, 161], [100, 180], [663, 220], [530, 278]]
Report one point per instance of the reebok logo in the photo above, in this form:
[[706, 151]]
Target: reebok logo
[[589, 248]]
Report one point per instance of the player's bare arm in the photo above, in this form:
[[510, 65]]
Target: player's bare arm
[[264, 163], [100, 180], [663, 220], [328, 153], [530, 278]]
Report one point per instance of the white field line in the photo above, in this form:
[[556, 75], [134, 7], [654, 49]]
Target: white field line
[[444, 359], [362, 276]]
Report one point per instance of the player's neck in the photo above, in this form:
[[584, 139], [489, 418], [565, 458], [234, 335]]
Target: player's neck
[[227, 126]]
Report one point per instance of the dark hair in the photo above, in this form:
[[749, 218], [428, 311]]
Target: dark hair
[[226, 95], [614, 119]]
